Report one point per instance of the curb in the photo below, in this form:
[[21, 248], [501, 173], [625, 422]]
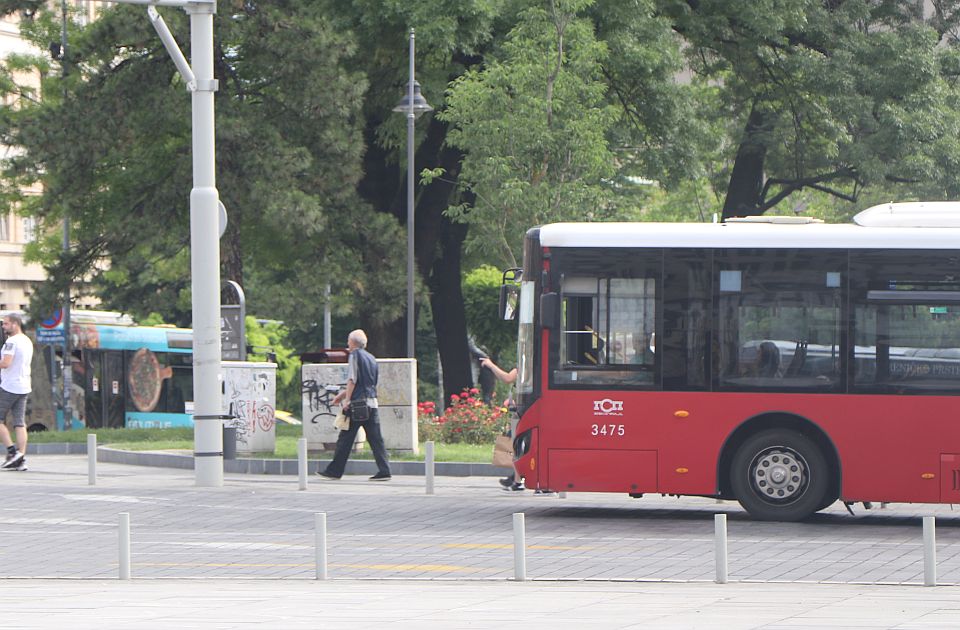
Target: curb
[[257, 466]]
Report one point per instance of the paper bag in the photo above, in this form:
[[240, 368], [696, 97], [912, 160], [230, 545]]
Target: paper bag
[[503, 451], [341, 422]]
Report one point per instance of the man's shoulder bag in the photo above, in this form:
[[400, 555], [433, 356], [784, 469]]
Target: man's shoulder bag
[[358, 411]]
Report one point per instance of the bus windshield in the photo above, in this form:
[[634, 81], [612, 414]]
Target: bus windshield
[[525, 339]]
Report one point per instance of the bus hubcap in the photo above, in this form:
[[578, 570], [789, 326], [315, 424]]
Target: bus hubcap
[[779, 474]]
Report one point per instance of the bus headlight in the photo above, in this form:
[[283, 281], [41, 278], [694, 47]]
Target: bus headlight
[[521, 444]]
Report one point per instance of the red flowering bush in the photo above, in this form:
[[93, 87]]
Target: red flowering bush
[[466, 420]]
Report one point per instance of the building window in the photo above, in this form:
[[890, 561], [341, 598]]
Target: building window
[[29, 229]]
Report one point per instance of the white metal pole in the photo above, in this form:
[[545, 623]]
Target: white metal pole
[[410, 222], [124, 545], [428, 465], [302, 462], [327, 337], [92, 459], [720, 546], [205, 255], [320, 531], [519, 548], [929, 551]]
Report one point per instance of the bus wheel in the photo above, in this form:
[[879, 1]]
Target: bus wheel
[[779, 475]]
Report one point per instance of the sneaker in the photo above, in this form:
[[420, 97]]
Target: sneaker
[[23, 465], [327, 475], [381, 477], [13, 460], [506, 482], [517, 487]]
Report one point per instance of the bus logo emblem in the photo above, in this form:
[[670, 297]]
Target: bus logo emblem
[[607, 407]]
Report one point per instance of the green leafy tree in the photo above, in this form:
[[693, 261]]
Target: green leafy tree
[[268, 342], [835, 96], [110, 147], [533, 123], [481, 295]]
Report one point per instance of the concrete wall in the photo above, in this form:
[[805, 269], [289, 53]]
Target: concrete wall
[[396, 394]]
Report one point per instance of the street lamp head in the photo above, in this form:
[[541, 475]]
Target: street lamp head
[[420, 104]]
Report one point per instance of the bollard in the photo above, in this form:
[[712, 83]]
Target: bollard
[[124, 545], [720, 546], [428, 466], [519, 548], [302, 462], [929, 551], [320, 531], [91, 459]]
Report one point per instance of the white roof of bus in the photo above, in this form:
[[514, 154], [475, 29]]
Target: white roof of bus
[[751, 235], [910, 225]]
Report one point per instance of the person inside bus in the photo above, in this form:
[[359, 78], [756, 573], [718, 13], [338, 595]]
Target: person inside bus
[[767, 361], [643, 349]]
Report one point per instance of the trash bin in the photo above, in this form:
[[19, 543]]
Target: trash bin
[[229, 442]]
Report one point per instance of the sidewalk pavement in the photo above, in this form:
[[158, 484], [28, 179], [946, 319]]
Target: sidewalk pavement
[[451, 605]]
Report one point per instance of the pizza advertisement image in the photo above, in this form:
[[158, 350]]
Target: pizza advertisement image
[[145, 379]]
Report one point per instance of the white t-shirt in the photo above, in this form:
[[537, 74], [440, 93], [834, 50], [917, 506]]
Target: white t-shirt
[[16, 378]]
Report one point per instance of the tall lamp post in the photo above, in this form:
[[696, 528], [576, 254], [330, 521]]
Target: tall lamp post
[[413, 104]]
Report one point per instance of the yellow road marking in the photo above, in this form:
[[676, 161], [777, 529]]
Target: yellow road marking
[[379, 567], [494, 546], [415, 567]]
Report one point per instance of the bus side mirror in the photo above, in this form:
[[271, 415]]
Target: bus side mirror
[[550, 311], [509, 298]]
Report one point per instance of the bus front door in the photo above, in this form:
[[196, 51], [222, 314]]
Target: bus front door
[[115, 390], [104, 389]]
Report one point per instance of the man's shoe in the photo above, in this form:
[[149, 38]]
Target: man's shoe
[[327, 475], [506, 482], [12, 461], [23, 465], [381, 477], [517, 487]]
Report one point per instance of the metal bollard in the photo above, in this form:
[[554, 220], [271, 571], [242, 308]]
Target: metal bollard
[[302, 463], [929, 551], [519, 548], [91, 459], [124, 545], [320, 531], [720, 546], [428, 466]]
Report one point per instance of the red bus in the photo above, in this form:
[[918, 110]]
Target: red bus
[[785, 364]]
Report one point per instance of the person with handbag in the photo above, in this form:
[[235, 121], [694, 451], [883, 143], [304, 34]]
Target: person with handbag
[[359, 401], [509, 483]]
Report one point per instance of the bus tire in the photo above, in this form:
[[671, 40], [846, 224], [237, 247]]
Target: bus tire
[[779, 475]]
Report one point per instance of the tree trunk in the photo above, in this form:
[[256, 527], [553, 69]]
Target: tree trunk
[[446, 299], [231, 260], [746, 179]]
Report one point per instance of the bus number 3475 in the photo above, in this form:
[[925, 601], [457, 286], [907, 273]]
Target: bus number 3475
[[610, 430]]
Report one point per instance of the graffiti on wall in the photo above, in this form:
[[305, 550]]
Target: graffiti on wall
[[249, 396]]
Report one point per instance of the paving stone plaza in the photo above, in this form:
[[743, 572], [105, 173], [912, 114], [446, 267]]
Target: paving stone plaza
[[391, 542]]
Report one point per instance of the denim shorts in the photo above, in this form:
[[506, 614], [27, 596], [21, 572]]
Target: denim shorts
[[16, 402]]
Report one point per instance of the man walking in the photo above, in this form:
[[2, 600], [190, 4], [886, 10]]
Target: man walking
[[15, 359], [361, 406]]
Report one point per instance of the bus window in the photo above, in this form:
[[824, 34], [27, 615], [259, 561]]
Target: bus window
[[686, 319], [607, 331], [779, 321], [906, 325]]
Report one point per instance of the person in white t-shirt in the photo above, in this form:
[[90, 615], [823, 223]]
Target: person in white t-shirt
[[15, 358]]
